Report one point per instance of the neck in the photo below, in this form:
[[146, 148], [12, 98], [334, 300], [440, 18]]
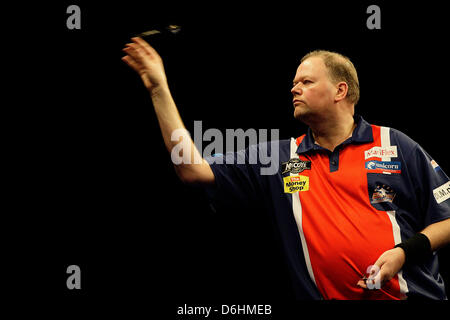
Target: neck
[[332, 131]]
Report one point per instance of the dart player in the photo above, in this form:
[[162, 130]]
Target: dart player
[[361, 208]]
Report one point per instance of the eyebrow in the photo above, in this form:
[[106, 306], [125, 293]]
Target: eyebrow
[[301, 79]]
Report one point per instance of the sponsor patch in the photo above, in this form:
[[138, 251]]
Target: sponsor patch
[[380, 152], [384, 166], [383, 193], [435, 165], [442, 193], [294, 184], [295, 166]]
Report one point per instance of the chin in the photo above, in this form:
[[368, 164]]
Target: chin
[[299, 114], [302, 115]]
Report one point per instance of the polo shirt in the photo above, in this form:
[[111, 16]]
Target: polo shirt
[[337, 212]]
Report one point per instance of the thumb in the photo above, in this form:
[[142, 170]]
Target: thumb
[[146, 81], [380, 274]]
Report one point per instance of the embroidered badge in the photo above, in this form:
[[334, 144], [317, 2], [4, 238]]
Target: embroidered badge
[[380, 152], [295, 183], [442, 193], [384, 166], [435, 166], [295, 166], [383, 193]]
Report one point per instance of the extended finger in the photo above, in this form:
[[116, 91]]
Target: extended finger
[[132, 46], [361, 283], [144, 44], [131, 62], [133, 51]]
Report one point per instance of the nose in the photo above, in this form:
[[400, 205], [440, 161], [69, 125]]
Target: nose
[[296, 90]]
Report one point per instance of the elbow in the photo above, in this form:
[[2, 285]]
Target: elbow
[[187, 177], [202, 175]]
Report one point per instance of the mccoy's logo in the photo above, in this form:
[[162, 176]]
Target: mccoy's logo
[[295, 183], [295, 166], [379, 152]]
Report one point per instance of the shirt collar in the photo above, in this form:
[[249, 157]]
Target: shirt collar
[[362, 134]]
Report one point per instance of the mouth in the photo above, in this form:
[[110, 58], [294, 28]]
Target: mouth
[[296, 102]]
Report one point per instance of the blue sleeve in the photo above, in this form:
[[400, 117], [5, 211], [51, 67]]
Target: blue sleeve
[[236, 183], [433, 186], [429, 183], [240, 178]]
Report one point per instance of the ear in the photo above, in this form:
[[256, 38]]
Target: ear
[[341, 91]]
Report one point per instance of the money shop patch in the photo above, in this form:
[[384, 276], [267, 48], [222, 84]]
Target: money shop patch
[[294, 184]]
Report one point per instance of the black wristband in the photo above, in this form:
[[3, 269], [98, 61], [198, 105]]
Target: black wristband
[[417, 249]]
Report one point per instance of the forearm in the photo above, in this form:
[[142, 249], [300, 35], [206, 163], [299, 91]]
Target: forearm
[[167, 114], [193, 168], [189, 165], [438, 233]]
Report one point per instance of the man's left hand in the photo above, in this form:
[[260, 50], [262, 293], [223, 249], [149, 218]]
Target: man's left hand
[[384, 269]]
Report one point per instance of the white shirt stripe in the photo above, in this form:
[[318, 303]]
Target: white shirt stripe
[[297, 209], [385, 143]]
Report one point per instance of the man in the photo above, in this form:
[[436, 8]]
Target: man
[[361, 208]]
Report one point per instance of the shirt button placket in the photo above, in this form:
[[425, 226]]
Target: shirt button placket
[[334, 161]]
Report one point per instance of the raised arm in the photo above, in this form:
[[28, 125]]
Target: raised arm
[[142, 58]]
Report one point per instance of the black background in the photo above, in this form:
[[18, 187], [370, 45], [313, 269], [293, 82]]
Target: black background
[[95, 185]]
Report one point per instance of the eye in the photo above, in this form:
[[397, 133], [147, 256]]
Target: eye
[[307, 81]]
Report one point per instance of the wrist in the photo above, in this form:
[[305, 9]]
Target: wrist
[[417, 249], [159, 90]]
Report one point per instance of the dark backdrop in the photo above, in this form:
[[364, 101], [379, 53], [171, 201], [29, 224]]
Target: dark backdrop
[[99, 189]]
